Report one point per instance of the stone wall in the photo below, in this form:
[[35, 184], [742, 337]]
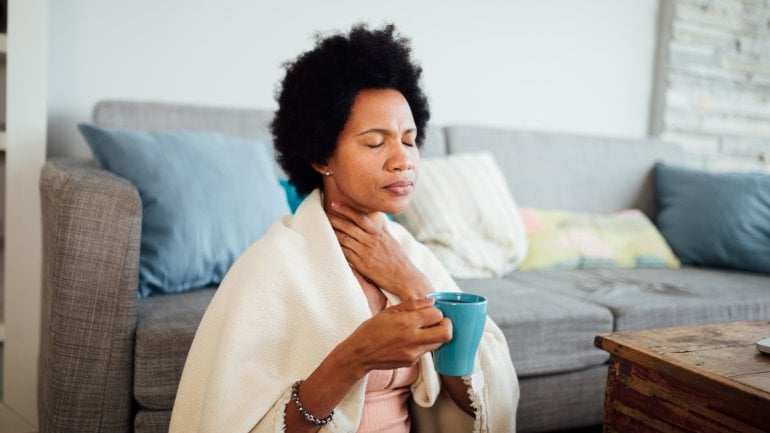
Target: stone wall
[[712, 90]]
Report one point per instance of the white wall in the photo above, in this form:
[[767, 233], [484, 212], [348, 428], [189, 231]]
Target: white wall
[[562, 65]]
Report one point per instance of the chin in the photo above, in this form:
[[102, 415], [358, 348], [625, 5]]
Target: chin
[[396, 207]]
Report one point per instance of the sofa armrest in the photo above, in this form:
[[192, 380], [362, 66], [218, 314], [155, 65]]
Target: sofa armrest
[[91, 233]]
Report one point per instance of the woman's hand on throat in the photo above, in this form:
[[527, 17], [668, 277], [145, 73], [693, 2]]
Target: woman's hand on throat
[[372, 251]]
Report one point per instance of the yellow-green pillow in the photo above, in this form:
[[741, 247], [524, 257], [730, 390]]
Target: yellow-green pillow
[[572, 240]]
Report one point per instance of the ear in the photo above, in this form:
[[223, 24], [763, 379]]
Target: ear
[[321, 168]]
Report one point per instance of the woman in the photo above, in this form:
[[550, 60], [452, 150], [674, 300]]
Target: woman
[[323, 324]]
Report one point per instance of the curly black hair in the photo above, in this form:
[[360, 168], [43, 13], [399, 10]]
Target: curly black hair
[[319, 88]]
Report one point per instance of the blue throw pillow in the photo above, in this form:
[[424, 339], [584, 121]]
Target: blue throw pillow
[[715, 219], [292, 196], [205, 198]]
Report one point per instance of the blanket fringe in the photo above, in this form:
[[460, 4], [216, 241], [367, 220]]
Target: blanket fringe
[[280, 417], [475, 403]]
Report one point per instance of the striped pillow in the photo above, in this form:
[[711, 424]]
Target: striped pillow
[[463, 211]]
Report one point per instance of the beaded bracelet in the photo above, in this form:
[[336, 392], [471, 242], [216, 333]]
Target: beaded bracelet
[[302, 411]]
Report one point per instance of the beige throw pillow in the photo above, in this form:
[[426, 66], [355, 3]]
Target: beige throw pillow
[[463, 211]]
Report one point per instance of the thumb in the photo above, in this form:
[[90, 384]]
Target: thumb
[[415, 304]]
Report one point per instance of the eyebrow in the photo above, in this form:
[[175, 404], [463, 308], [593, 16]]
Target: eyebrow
[[383, 131]]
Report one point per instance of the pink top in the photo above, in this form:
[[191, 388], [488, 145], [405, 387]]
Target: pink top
[[387, 391], [387, 395]]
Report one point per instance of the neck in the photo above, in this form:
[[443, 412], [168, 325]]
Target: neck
[[378, 218]]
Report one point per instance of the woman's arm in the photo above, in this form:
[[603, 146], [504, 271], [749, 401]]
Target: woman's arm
[[395, 337], [322, 391], [458, 390]]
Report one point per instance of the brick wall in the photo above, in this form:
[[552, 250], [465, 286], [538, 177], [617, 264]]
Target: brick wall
[[712, 90]]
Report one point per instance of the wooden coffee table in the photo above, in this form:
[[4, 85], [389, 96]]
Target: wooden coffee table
[[688, 379]]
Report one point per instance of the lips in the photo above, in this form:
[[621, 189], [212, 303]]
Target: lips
[[401, 188]]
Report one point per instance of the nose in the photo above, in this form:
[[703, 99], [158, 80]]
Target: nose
[[400, 159]]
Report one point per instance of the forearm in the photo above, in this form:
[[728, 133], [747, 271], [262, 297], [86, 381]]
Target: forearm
[[458, 390], [323, 389], [393, 338]]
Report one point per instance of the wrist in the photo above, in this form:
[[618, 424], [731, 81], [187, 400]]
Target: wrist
[[321, 391], [347, 360], [415, 286], [304, 413]]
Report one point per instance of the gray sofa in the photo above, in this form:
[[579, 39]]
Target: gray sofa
[[110, 362]]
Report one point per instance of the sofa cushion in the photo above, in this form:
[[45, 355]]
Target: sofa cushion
[[562, 401], [546, 332], [655, 298], [165, 329], [293, 198], [571, 240], [152, 421], [205, 198], [715, 219]]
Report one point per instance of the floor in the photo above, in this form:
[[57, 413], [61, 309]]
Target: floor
[[10, 422], [590, 429]]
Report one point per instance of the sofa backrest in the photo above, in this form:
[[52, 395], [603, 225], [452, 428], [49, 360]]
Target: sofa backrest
[[153, 116], [547, 170], [239, 122], [156, 116], [570, 172]]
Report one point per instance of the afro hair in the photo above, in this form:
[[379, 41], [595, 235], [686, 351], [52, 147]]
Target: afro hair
[[319, 88]]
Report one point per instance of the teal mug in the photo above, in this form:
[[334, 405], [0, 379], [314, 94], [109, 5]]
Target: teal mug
[[468, 313]]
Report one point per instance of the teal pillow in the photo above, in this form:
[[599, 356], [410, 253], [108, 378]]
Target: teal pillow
[[205, 198], [715, 219], [292, 197]]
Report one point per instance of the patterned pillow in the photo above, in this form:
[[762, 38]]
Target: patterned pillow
[[572, 240]]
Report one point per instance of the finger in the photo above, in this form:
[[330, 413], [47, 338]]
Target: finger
[[359, 219], [353, 252], [345, 239], [347, 227], [354, 260], [442, 332], [415, 304], [432, 338], [429, 317], [411, 296]]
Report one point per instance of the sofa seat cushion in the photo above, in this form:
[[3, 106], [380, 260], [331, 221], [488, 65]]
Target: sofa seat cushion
[[165, 329], [152, 421], [656, 298], [546, 332], [561, 402]]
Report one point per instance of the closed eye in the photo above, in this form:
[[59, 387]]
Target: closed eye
[[408, 139], [374, 146]]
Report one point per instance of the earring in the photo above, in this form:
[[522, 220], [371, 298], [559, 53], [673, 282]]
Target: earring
[[328, 173]]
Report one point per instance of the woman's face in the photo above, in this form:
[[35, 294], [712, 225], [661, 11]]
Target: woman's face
[[374, 167]]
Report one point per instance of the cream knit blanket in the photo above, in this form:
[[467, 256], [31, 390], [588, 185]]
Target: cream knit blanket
[[286, 302]]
